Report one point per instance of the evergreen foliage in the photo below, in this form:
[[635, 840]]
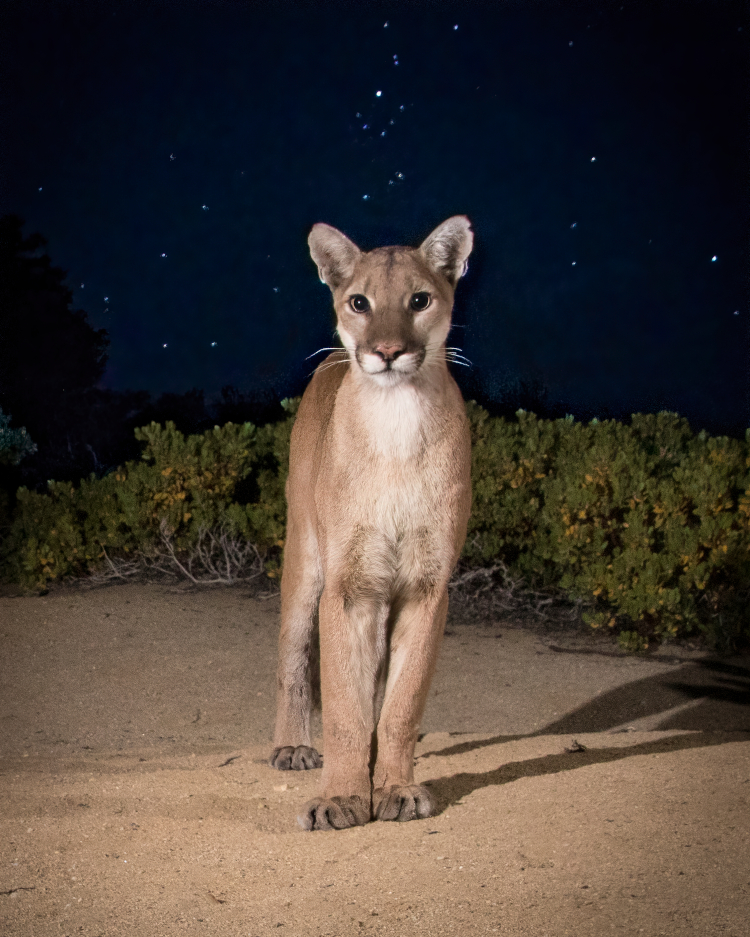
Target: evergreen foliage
[[647, 522], [48, 351], [15, 444], [185, 483]]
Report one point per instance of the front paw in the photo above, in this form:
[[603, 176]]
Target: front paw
[[299, 758], [407, 802], [334, 813]]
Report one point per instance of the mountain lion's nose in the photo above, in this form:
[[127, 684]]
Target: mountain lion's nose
[[388, 351]]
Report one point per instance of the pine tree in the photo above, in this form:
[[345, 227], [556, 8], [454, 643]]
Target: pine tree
[[48, 351]]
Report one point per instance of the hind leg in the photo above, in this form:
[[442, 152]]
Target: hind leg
[[301, 586]]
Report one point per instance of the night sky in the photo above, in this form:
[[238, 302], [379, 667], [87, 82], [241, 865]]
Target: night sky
[[176, 155]]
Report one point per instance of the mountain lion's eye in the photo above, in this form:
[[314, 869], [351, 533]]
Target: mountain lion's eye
[[359, 303], [419, 301]]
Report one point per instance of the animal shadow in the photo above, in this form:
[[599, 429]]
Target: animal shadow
[[720, 712]]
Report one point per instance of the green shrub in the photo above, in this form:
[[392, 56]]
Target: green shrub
[[187, 484], [632, 642], [647, 522], [510, 462], [15, 444]]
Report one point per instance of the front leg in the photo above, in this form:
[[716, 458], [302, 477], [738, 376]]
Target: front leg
[[415, 644], [352, 642]]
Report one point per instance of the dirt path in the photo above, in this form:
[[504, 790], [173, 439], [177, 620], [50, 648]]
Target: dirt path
[[135, 799]]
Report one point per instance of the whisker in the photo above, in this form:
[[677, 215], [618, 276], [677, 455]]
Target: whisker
[[336, 348], [456, 353], [455, 358], [324, 367], [448, 353], [435, 344], [452, 356], [329, 364]]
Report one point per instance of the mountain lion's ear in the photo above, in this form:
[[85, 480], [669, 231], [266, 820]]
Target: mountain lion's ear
[[446, 250], [334, 254]]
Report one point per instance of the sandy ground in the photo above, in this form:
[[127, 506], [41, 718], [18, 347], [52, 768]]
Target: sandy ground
[[135, 799]]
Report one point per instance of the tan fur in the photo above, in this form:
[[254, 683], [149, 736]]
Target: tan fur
[[379, 498]]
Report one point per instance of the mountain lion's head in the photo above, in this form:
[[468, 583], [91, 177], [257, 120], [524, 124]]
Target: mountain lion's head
[[393, 304]]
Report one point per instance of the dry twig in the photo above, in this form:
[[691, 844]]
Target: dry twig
[[494, 586], [218, 557]]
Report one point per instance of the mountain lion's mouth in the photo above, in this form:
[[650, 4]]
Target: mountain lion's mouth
[[404, 365]]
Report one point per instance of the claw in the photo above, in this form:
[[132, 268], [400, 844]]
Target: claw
[[335, 813], [299, 758], [408, 802]]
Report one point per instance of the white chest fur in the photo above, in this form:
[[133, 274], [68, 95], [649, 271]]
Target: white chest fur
[[398, 422], [387, 465]]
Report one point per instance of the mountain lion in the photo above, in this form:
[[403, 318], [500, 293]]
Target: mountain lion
[[379, 497]]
